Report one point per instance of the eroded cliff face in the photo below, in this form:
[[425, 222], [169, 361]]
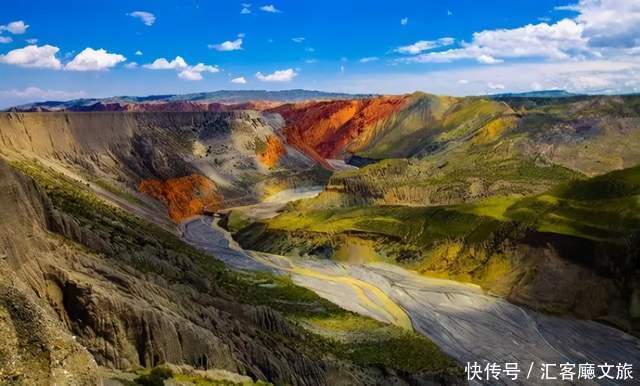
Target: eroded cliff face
[[328, 129], [36, 347], [186, 196], [237, 150], [82, 286]]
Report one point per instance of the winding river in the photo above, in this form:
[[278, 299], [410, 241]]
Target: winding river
[[461, 319]]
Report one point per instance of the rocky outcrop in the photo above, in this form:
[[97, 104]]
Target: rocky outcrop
[[272, 152], [184, 196]]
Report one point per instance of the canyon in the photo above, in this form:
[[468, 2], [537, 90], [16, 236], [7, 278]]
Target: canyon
[[460, 318], [212, 231]]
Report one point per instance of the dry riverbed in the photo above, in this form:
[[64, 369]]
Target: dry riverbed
[[460, 318]]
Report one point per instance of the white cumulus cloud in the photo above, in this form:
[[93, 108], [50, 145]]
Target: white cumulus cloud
[[147, 18], [487, 59], [195, 72], [610, 23], [298, 39], [5, 39], [183, 69], [15, 27], [164, 64], [277, 76], [201, 67], [424, 45], [404, 21], [270, 8], [542, 40], [33, 56], [189, 75], [94, 60], [601, 28], [229, 45], [239, 80]]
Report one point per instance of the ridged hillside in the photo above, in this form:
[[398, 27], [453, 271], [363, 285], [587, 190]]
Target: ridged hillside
[[86, 284], [572, 249], [453, 150], [239, 151], [533, 199], [330, 129]]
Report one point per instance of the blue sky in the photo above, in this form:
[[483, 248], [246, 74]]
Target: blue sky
[[68, 49]]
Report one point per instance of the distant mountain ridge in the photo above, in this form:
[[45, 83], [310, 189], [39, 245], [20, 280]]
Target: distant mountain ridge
[[538, 94], [202, 98], [228, 100]]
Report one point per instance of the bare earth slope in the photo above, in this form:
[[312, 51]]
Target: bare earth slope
[[239, 151]]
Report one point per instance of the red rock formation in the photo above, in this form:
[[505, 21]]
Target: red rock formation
[[273, 151], [184, 196], [325, 129]]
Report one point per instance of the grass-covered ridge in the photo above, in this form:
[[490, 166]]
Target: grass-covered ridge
[[445, 151], [502, 243], [368, 341], [459, 176], [430, 122], [154, 250], [603, 208]]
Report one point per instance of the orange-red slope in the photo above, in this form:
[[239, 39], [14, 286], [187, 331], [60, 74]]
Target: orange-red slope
[[272, 152], [324, 130], [184, 196]]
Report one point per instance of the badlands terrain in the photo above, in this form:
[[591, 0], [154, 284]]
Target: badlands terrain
[[307, 238]]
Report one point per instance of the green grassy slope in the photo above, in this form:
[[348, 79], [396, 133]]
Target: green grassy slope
[[429, 123], [498, 242], [604, 208]]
